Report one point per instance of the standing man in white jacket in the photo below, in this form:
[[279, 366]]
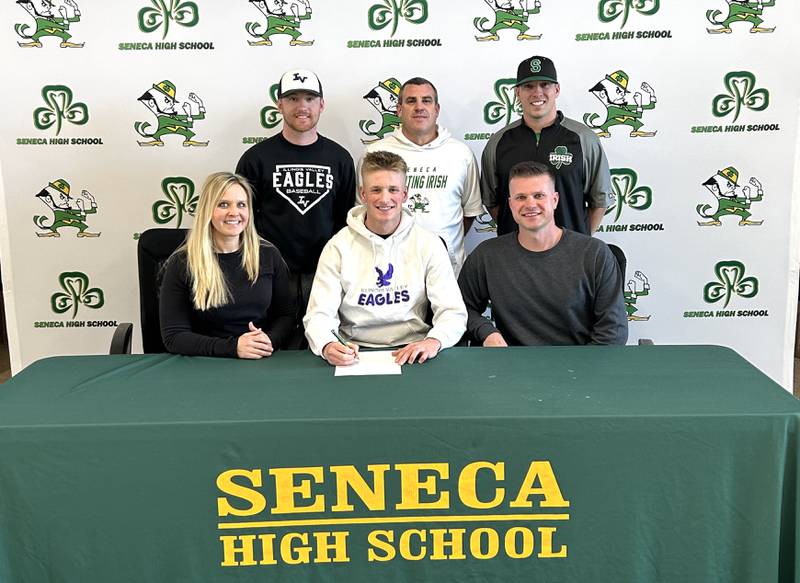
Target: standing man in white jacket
[[443, 180], [378, 276]]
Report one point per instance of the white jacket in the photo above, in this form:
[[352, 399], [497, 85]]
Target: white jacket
[[443, 185], [375, 291]]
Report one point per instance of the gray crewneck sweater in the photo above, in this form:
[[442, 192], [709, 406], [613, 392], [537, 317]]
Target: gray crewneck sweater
[[570, 294]]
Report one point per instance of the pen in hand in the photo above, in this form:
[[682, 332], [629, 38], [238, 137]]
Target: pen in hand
[[343, 343]]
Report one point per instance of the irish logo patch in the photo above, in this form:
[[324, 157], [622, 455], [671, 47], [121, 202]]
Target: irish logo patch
[[561, 156]]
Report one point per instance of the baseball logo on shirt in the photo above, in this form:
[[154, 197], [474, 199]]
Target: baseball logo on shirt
[[302, 185]]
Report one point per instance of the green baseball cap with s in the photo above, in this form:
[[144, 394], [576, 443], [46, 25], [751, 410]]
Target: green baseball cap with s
[[536, 68]]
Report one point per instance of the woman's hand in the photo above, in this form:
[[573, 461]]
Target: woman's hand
[[254, 344]]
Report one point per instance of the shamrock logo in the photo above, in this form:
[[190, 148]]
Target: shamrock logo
[[391, 11], [609, 10], [506, 105], [59, 108], [76, 292], [627, 193], [731, 281], [560, 156], [270, 114], [180, 200], [741, 93], [163, 12]]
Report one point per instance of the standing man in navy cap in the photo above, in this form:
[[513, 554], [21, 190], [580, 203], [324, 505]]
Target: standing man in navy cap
[[303, 182], [544, 135]]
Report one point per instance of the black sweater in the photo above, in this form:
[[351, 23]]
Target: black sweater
[[302, 195], [268, 303]]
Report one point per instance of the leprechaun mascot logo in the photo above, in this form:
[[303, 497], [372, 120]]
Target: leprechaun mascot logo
[[731, 199], [740, 11], [284, 18], [612, 91], [508, 15], [383, 97], [160, 100], [636, 288], [49, 21], [418, 204], [67, 212]]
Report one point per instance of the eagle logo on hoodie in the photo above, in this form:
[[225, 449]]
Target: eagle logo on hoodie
[[385, 279]]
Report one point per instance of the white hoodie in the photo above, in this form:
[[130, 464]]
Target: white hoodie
[[443, 185], [375, 291]]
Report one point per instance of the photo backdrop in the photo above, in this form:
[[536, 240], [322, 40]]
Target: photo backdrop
[[703, 203]]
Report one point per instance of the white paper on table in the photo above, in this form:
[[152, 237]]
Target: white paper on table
[[375, 362]]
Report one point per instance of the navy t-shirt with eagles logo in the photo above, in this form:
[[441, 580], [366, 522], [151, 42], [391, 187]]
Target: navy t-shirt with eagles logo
[[302, 195]]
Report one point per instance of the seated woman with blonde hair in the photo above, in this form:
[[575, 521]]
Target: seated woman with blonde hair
[[225, 292]]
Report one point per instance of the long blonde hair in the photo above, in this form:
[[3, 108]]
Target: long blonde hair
[[209, 288]]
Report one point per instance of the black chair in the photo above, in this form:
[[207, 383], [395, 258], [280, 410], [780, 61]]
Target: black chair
[[622, 261], [155, 247], [619, 255]]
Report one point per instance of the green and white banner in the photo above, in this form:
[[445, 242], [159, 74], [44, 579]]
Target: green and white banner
[[110, 130]]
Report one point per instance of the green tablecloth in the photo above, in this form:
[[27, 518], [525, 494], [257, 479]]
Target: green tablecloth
[[600, 465]]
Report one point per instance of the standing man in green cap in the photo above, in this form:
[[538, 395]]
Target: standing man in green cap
[[545, 135]]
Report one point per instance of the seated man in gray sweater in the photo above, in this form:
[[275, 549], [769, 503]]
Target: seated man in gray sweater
[[547, 285]]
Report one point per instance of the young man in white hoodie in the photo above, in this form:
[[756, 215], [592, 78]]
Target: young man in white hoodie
[[443, 178], [378, 276]]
